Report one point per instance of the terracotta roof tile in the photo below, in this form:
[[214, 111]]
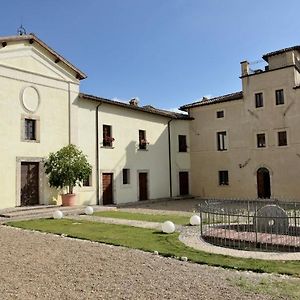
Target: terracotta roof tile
[[267, 55], [219, 99], [147, 108]]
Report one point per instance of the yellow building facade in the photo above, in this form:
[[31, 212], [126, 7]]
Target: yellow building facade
[[246, 144]]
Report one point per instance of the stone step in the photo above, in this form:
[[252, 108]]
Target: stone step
[[44, 211]]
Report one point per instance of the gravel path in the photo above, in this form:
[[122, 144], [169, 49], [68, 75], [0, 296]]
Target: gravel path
[[43, 266]]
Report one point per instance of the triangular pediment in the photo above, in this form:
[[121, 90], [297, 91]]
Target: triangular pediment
[[31, 60]]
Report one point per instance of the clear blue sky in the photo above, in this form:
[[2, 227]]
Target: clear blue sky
[[166, 52]]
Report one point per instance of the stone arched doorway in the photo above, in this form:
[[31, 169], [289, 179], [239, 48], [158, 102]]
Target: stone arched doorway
[[263, 183]]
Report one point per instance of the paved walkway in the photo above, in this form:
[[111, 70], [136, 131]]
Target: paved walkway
[[133, 223], [189, 235]]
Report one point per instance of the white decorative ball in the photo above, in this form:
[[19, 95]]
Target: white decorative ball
[[184, 258], [155, 252], [168, 227], [195, 220], [58, 214], [89, 210]]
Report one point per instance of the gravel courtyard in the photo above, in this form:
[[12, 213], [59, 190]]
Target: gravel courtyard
[[44, 266]]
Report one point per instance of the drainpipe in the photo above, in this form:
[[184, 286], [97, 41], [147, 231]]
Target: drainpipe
[[69, 111], [170, 158], [97, 155]]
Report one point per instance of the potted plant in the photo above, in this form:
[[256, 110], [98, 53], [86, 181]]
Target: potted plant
[[67, 168], [143, 143], [107, 141]]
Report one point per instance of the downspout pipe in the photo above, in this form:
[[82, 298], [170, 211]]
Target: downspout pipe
[[97, 155], [69, 112], [170, 158]]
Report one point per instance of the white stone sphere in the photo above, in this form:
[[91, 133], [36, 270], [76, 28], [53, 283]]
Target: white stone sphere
[[58, 214], [168, 227], [89, 210], [195, 220], [184, 258]]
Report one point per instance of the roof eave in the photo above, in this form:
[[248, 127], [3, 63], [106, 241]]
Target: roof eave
[[80, 75], [136, 108]]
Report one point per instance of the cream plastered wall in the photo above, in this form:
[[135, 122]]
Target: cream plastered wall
[[23, 68], [86, 141], [126, 124], [242, 122], [180, 160]]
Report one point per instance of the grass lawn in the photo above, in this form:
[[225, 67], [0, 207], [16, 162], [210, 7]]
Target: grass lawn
[[176, 219], [278, 289], [151, 240]]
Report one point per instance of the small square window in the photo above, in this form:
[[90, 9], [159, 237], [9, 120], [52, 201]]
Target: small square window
[[182, 143], [279, 97], [220, 114], [261, 140], [107, 136], [259, 100], [126, 176], [282, 138], [30, 129], [222, 141], [223, 178]]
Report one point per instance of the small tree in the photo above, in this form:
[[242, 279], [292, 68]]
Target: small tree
[[67, 167]]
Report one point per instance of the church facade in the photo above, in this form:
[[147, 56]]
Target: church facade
[[137, 153]]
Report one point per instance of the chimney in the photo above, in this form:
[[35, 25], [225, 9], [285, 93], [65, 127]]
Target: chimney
[[245, 68], [134, 101]]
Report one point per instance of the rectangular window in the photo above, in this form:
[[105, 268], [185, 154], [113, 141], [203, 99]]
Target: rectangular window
[[30, 129], [87, 181], [126, 176], [220, 114], [279, 97], [259, 100], [222, 140], [107, 136], [182, 143], [282, 138], [142, 140], [261, 140], [223, 178]]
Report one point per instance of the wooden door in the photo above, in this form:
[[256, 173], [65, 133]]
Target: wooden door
[[183, 183], [143, 186], [107, 186], [29, 183], [263, 183]]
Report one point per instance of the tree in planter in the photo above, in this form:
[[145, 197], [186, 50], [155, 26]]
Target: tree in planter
[[67, 168]]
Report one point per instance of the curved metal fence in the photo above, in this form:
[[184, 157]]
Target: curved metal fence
[[259, 225]]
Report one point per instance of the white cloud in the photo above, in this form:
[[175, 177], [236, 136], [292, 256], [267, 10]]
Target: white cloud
[[176, 110]]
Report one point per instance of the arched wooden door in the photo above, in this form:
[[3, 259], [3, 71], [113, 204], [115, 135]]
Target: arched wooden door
[[263, 183]]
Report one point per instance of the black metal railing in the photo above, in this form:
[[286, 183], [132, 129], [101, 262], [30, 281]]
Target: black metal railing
[[260, 224]]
